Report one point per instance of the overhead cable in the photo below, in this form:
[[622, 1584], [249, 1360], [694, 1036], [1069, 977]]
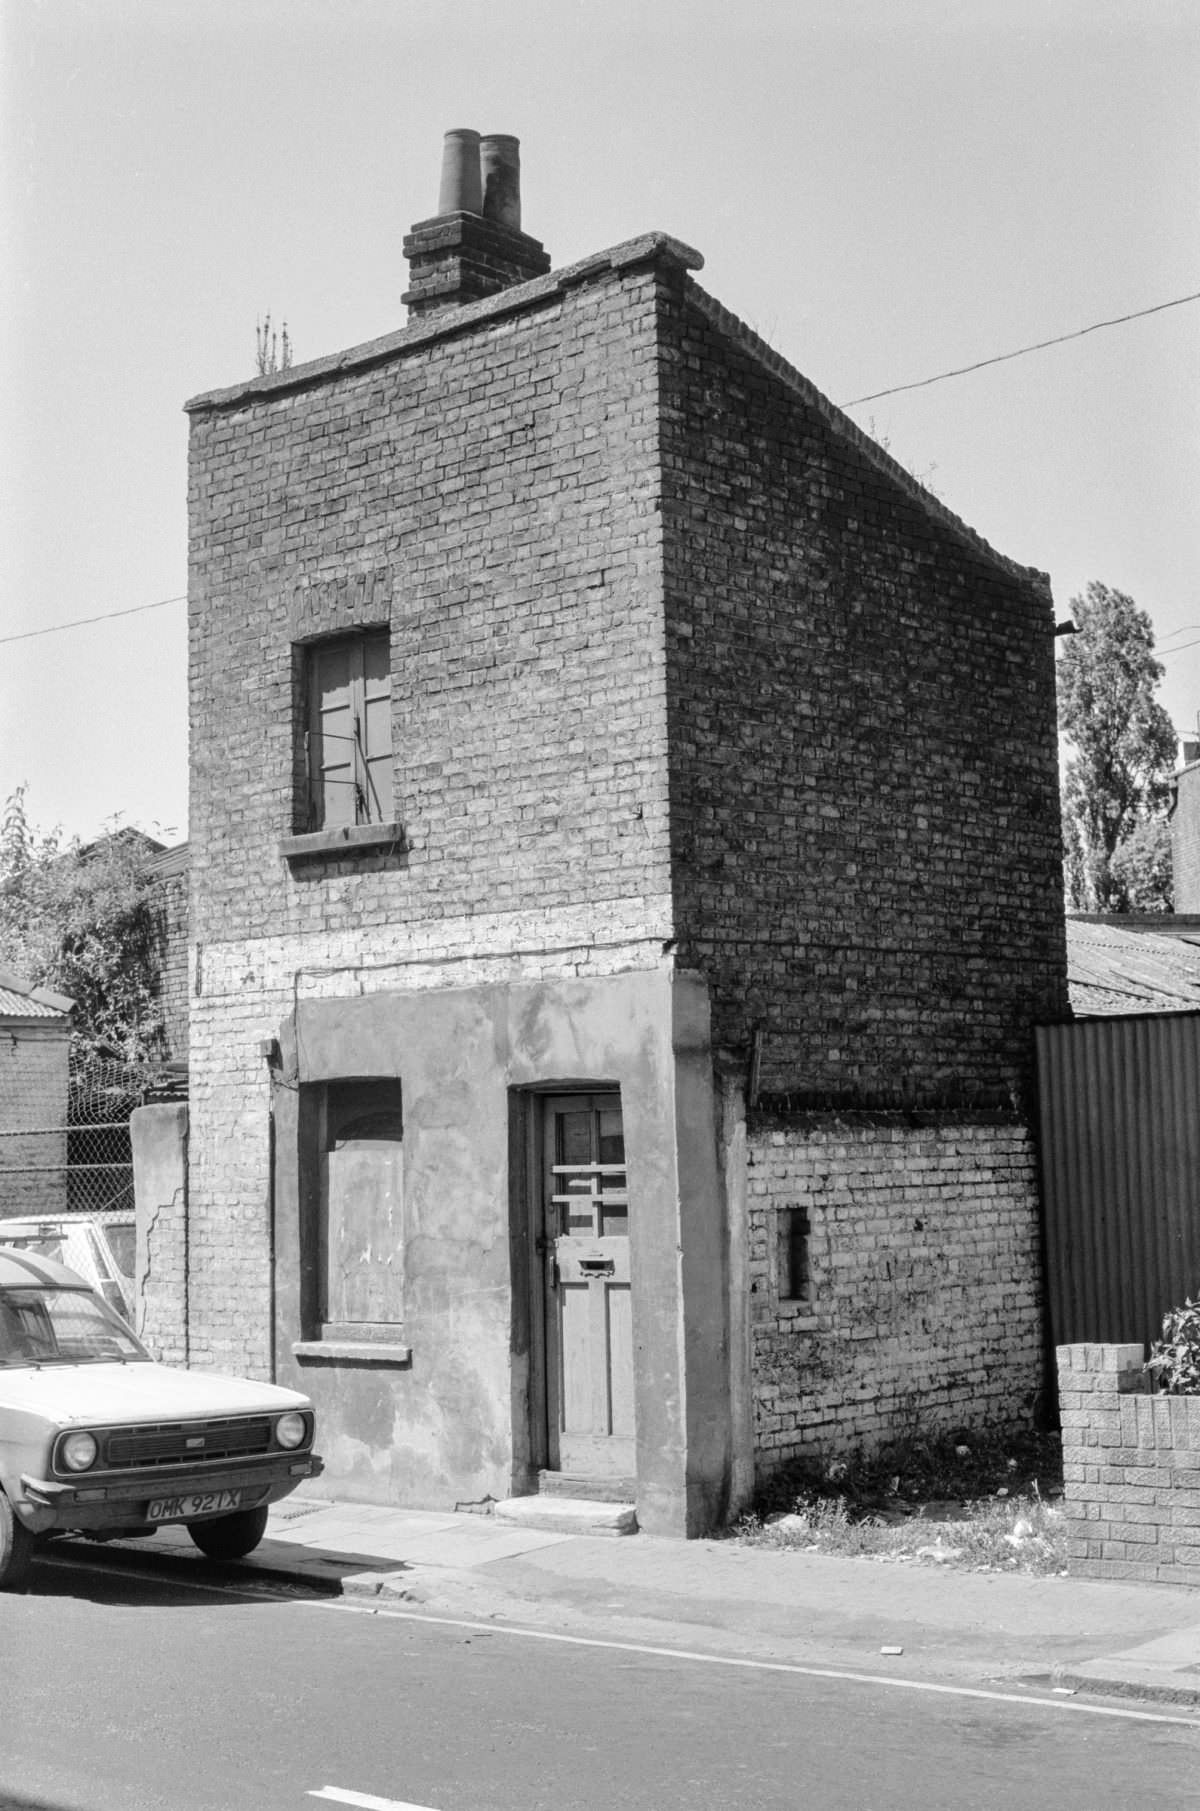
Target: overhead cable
[[81, 621], [1040, 346]]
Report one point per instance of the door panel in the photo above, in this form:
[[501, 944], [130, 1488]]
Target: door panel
[[585, 1246]]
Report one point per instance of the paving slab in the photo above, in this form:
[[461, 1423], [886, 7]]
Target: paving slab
[[1106, 1638]]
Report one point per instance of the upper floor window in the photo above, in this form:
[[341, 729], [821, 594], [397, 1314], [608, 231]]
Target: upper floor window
[[348, 734]]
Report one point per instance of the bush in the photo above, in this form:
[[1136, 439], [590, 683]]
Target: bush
[[1175, 1358]]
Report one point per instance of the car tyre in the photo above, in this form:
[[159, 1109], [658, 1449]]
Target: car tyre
[[16, 1548], [230, 1536]]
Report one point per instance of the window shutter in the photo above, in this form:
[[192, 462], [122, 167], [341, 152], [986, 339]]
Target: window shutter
[[350, 732]]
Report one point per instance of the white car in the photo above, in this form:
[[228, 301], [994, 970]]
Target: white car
[[98, 1439]]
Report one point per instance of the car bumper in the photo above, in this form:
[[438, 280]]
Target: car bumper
[[52, 1506]]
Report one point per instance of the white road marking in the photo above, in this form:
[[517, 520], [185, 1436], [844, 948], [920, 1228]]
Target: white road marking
[[366, 1800], [1028, 1701], [257, 1592]]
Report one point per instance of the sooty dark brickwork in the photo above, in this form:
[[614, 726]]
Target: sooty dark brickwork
[[864, 798]]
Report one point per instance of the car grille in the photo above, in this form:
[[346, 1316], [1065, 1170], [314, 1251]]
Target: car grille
[[188, 1442]]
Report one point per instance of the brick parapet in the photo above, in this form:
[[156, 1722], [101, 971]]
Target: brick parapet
[[1131, 1468]]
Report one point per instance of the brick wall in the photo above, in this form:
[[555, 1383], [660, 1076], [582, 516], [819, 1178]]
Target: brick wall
[[923, 1299], [492, 496], [1185, 839], [33, 1094], [1131, 1468], [174, 979], [864, 790]]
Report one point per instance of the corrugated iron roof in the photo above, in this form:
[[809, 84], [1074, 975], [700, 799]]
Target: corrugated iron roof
[[1113, 969]]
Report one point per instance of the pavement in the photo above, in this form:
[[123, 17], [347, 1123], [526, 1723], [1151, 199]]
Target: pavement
[[721, 1597]]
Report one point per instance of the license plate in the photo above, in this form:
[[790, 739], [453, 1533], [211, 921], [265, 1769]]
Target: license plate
[[183, 1509]]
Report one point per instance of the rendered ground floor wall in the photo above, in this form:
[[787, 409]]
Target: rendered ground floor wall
[[439, 1412], [922, 1303], [1131, 1469]]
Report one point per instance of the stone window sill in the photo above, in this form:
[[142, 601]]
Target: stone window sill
[[347, 839], [351, 1352]]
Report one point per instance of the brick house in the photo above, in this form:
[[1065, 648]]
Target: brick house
[[625, 873], [35, 1043]]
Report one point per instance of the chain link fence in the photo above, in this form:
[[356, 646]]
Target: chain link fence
[[84, 1166]]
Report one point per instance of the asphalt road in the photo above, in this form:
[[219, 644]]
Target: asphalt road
[[130, 1692]]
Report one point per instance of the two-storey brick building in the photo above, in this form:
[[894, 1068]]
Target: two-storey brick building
[[625, 853]]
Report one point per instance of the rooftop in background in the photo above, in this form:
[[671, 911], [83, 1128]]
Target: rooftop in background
[[1133, 964], [19, 1000]]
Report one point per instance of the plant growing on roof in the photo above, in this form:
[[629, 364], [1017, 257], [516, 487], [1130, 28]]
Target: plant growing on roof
[[1174, 1359]]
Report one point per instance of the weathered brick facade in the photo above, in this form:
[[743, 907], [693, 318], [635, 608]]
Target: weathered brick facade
[[864, 828], [1185, 838], [923, 1298], [35, 1037], [687, 677]]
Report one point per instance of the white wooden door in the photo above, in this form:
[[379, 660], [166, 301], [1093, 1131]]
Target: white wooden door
[[585, 1246]]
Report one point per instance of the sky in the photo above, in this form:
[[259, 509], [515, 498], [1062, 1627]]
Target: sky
[[884, 189]]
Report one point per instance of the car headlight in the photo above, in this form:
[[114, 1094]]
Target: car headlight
[[291, 1430], [78, 1451]]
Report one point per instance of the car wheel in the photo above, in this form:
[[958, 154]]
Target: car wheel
[[16, 1548], [230, 1536]]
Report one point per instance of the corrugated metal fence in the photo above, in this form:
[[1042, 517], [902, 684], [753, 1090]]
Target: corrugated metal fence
[[1120, 1138]]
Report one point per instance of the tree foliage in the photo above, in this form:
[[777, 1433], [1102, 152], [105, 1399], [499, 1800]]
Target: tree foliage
[[88, 922], [1117, 782]]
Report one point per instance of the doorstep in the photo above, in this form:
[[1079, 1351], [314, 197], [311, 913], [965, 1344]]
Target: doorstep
[[568, 1515]]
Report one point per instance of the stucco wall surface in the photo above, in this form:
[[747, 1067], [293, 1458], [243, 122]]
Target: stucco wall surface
[[924, 1299], [159, 1140], [453, 1422]]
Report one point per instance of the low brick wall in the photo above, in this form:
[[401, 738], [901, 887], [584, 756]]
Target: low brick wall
[[1131, 1466], [920, 1298]]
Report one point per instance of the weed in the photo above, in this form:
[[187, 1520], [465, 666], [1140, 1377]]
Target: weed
[[967, 1500]]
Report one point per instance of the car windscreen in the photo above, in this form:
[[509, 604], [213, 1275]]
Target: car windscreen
[[47, 1326], [122, 1240]]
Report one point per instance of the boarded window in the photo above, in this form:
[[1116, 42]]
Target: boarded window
[[362, 1256], [349, 731]]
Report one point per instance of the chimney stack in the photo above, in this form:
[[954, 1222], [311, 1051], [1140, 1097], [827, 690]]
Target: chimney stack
[[474, 245]]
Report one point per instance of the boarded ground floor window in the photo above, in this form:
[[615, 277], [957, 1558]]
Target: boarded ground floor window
[[361, 1218]]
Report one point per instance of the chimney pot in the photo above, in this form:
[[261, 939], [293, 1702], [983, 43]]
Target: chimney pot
[[500, 171], [474, 247], [462, 188]]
